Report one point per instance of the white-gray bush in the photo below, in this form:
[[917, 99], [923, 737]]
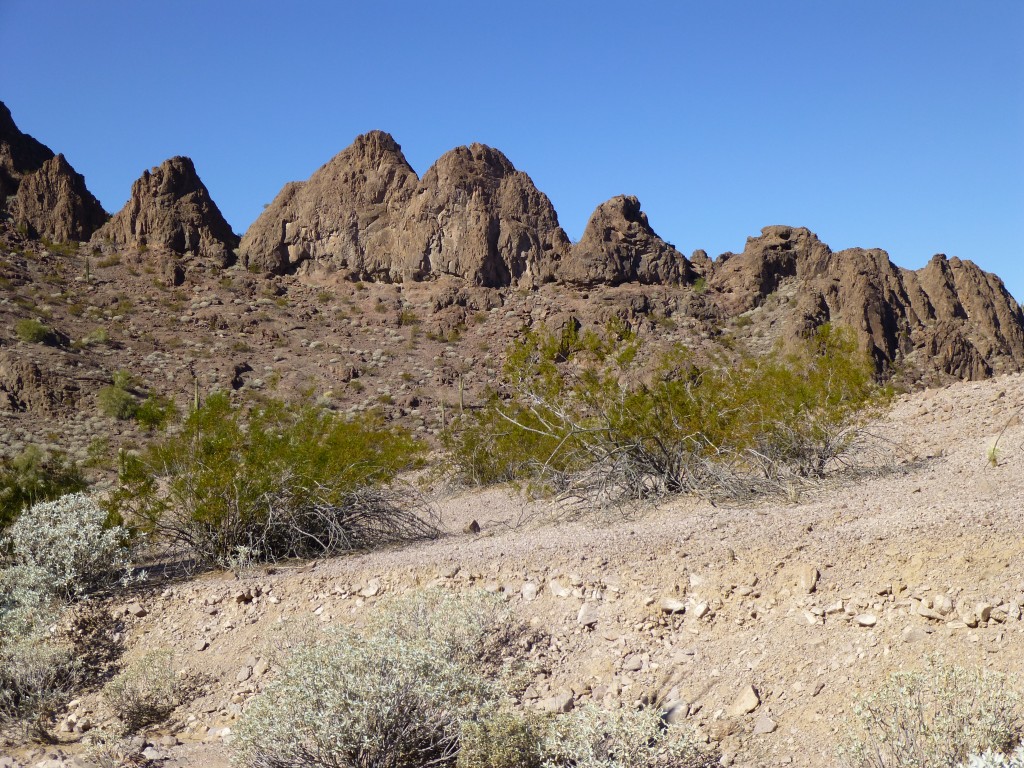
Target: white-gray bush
[[996, 760], [362, 702], [936, 717], [67, 544], [590, 737], [145, 692]]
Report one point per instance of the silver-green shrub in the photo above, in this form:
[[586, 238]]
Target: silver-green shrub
[[992, 759], [65, 547], [936, 717], [145, 692], [590, 737], [362, 702]]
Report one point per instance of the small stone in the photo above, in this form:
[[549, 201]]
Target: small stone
[[588, 615], [746, 701], [676, 712], [983, 611], [261, 667], [807, 578], [559, 703], [671, 605], [473, 527], [866, 620], [929, 613], [720, 730], [136, 610], [557, 589], [700, 610], [372, 589], [529, 591], [200, 646], [764, 725], [915, 634], [244, 674], [633, 663]]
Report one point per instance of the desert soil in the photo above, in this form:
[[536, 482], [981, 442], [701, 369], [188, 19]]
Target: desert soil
[[904, 561]]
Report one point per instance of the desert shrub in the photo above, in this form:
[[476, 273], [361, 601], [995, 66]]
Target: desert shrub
[[64, 547], [145, 692], [156, 412], [117, 403], [278, 480], [33, 476], [504, 738], [39, 673], [582, 414], [477, 630], [590, 737], [362, 702], [33, 331], [934, 718], [992, 759]]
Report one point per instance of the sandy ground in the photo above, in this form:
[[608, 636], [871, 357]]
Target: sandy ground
[[903, 562]]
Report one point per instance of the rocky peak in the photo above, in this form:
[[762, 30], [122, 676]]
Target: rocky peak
[[55, 203], [19, 154], [476, 217], [170, 208], [619, 246], [345, 216]]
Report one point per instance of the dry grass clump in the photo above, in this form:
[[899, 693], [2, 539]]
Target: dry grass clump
[[147, 691]]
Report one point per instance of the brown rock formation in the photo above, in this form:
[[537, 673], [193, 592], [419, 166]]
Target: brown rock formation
[[476, 217], [345, 216], [961, 316], [473, 215], [26, 386], [19, 154], [171, 208], [55, 203], [619, 246], [46, 194]]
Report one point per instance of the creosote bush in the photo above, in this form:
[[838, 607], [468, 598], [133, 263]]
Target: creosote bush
[[275, 480], [936, 717], [580, 414], [33, 476], [33, 331]]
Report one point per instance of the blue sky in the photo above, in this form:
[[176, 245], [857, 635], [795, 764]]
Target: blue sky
[[874, 123]]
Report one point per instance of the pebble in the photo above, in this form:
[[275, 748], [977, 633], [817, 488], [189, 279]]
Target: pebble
[[866, 620], [746, 701]]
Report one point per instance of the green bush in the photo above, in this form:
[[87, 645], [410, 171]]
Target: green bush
[[32, 331], [936, 717], [117, 403], [276, 480], [33, 476], [591, 415], [156, 412]]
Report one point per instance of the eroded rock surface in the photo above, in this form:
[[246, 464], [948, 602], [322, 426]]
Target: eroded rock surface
[[55, 203]]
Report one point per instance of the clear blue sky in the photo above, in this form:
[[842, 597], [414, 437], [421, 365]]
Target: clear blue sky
[[874, 123]]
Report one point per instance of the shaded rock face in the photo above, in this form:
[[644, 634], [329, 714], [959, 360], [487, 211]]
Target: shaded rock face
[[19, 154], [959, 315], [25, 386], [619, 246], [42, 191], [55, 203], [365, 213], [170, 208], [476, 217], [345, 216]]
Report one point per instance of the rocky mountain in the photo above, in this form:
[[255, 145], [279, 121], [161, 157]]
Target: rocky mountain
[[44, 194], [619, 246], [54, 203], [170, 208], [365, 213], [950, 310]]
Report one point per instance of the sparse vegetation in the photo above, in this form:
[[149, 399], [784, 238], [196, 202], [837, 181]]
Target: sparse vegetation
[[32, 331], [280, 480], [576, 418], [936, 717], [32, 477], [146, 692], [117, 402]]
